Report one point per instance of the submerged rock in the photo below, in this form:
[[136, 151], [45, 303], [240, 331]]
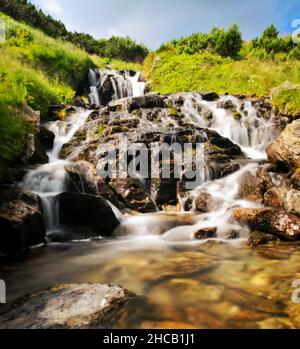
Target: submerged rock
[[257, 238], [270, 220], [21, 221], [71, 306], [88, 214]]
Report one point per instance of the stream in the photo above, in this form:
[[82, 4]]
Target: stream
[[182, 282]]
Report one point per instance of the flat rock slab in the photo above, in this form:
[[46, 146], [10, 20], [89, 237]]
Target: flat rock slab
[[71, 306]]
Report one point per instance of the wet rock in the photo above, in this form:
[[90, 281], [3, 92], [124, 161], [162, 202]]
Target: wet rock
[[21, 221], [93, 213], [71, 306], [203, 202], [108, 193], [285, 151], [54, 112], [151, 100], [35, 153], [206, 233], [134, 194], [278, 222], [251, 301], [257, 238], [209, 96], [252, 187], [295, 180], [284, 197], [46, 138], [82, 177]]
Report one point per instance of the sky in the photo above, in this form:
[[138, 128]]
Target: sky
[[153, 22]]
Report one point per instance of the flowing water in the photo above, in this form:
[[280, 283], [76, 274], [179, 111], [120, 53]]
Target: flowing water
[[49, 180], [183, 283]]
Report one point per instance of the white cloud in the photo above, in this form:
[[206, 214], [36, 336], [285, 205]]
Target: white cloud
[[51, 6]]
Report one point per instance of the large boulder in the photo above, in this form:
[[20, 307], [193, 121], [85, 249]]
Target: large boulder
[[270, 220], [87, 214], [284, 197], [35, 153], [72, 306], [285, 151], [82, 177], [21, 221]]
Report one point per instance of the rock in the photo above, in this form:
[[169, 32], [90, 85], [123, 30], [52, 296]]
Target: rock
[[134, 194], [249, 189], [257, 238], [270, 220], [55, 112], [284, 197], [35, 153], [21, 221], [285, 151], [108, 193], [249, 300], [34, 117], [209, 96], [252, 187], [206, 233], [150, 100], [82, 177], [71, 306], [46, 138], [203, 202], [295, 180], [87, 213]]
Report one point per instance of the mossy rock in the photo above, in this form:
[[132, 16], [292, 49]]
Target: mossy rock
[[236, 115], [213, 149], [173, 112]]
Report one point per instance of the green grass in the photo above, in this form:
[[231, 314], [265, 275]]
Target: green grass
[[170, 72], [37, 70], [287, 99]]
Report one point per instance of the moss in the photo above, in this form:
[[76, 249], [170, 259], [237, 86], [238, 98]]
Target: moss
[[236, 115], [99, 130], [213, 149], [173, 112]]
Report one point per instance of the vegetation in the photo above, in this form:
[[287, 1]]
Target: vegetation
[[287, 99], [221, 62], [116, 47], [226, 43], [37, 70]]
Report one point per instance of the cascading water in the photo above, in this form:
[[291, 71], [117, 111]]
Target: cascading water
[[107, 85], [236, 120], [50, 180]]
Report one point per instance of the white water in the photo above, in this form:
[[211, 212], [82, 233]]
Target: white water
[[49, 180], [124, 85], [250, 131]]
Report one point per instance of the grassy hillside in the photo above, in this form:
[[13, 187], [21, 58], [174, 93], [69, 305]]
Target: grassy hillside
[[221, 62], [170, 71], [37, 70]]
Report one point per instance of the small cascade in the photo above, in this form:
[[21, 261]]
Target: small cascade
[[108, 85], [232, 118], [49, 180]]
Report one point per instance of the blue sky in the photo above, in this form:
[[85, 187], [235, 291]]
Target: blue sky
[[155, 21]]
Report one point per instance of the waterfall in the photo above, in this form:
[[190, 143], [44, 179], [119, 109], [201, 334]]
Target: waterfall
[[49, 180], [107, 85]]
